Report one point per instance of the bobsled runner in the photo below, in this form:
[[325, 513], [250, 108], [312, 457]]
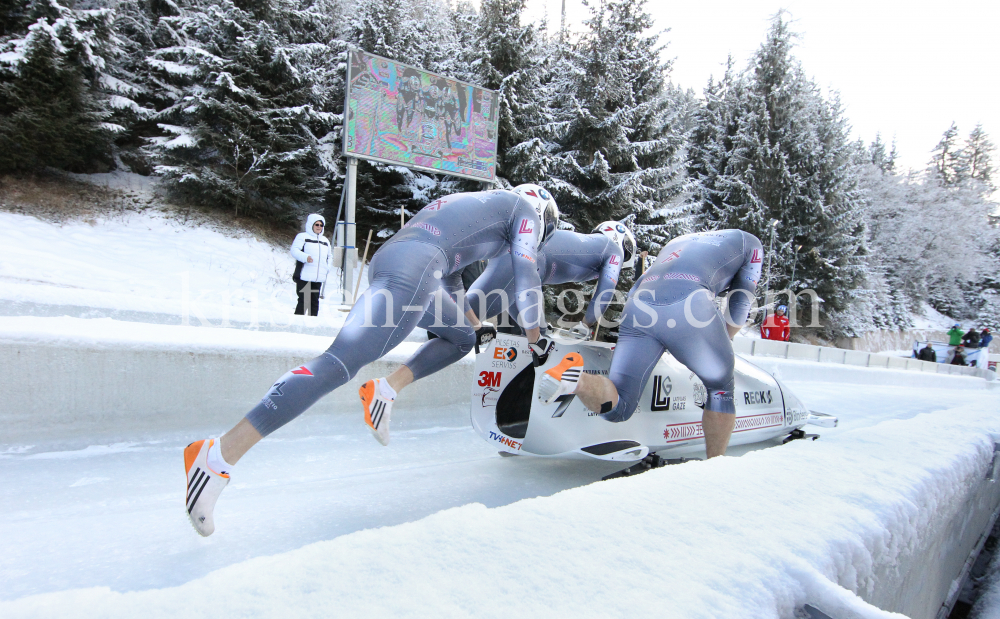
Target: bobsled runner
[[506, 409]]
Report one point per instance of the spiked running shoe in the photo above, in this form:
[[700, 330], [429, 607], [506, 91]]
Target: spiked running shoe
[[561, 379], [203, 486], [377, 409]]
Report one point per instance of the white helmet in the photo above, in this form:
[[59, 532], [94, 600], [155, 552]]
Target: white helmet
[[545, 206], [620, 234]]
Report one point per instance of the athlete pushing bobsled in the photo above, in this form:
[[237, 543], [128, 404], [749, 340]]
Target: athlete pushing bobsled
[[671, 307], [411, 279], [564, 257]]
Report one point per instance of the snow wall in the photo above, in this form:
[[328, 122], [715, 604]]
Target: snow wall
[[879, 518]]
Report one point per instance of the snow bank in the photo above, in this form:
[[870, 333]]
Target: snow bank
[[882, 517], [112, 380], [151, 264]]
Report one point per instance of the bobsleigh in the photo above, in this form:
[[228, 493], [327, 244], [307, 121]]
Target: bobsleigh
[[507, 412]]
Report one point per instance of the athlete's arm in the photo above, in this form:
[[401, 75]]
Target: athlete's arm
[[604, 292], [524, 231], [743, 287]]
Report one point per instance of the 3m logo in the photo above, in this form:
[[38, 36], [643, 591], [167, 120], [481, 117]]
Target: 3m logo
[[614, 260], [489, 379], [303, 370], [661, 393], [526, 227], [506, 354], [755, 257]]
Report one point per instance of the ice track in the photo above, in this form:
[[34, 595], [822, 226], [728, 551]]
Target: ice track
[[111, 515]]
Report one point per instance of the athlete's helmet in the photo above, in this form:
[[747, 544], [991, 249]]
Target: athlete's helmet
[[620, 234], [545, 206]]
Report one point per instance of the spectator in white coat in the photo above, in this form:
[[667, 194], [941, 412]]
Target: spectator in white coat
[[315, 258]]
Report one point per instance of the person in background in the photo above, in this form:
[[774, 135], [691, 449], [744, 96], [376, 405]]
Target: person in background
[[927, 353], [985, 338], [959, 358], [312, 251], [971, 338], [775, 326], [955, 335]]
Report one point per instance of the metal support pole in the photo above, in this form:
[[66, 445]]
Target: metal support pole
[[350, 232], [770, 256]]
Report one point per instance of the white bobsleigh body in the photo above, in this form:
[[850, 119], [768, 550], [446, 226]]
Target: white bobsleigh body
[[507, 412]]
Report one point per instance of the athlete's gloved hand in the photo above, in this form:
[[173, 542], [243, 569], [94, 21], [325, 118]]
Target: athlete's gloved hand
[[540, 350], [485, 334], [581, 330]]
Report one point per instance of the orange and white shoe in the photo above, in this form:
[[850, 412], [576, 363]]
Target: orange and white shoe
[[561, 379], [377, 398], [203, 486]]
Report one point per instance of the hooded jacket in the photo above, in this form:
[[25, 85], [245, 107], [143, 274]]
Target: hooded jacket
[[309, 244], [955, 336]]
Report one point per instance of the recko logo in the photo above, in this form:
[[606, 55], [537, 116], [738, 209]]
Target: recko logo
[[661, 393], [757, 397], [489, 379]]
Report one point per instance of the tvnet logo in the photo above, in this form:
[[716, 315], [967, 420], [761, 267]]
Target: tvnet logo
[[489, 379]]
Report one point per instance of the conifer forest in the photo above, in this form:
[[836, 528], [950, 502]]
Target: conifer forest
[[238, 105]]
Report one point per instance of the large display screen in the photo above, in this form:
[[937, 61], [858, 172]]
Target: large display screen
[[403, 115]]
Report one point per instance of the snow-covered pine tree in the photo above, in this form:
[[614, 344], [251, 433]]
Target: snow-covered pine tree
[[244, 131], [620, 150], [787, 158], [946, 159], [53, 108], [975, 158], [507, 60]]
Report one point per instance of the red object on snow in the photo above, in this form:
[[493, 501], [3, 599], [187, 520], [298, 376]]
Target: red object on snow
[[775, 327]]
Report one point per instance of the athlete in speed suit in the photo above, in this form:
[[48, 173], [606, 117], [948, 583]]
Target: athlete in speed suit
[[672, 307], [564, 257], [411, 281]]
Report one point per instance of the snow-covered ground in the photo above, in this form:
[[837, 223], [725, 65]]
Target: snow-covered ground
[[111, 515], [320, 520], [149, 267]]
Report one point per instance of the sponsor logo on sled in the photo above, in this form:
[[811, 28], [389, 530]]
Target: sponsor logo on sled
[[489, 379], [491, 396], [303, 370], [757, 397], [521, 254], [276, 389], [672, 256], [661, 394], [679, 403], [509, 442], [526, 227], [507, 354]]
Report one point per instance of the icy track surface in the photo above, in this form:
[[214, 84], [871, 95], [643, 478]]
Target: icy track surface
[[111, 515]]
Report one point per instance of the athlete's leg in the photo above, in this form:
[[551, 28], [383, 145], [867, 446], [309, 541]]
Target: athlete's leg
[[377, 323], [492, 292], [701, 342], [455, 338], [636, 354]]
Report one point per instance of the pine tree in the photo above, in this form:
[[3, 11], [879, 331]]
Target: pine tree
[[619, 153], [975, 158], [777, 151], [245, 132], [53, 111], [946, 159], [507, 61]]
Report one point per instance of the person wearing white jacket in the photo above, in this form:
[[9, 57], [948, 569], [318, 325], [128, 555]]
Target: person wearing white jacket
[[314, 252]]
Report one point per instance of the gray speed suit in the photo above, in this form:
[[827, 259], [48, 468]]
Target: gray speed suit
[[565, 257], [411, 281], [672, 307]]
